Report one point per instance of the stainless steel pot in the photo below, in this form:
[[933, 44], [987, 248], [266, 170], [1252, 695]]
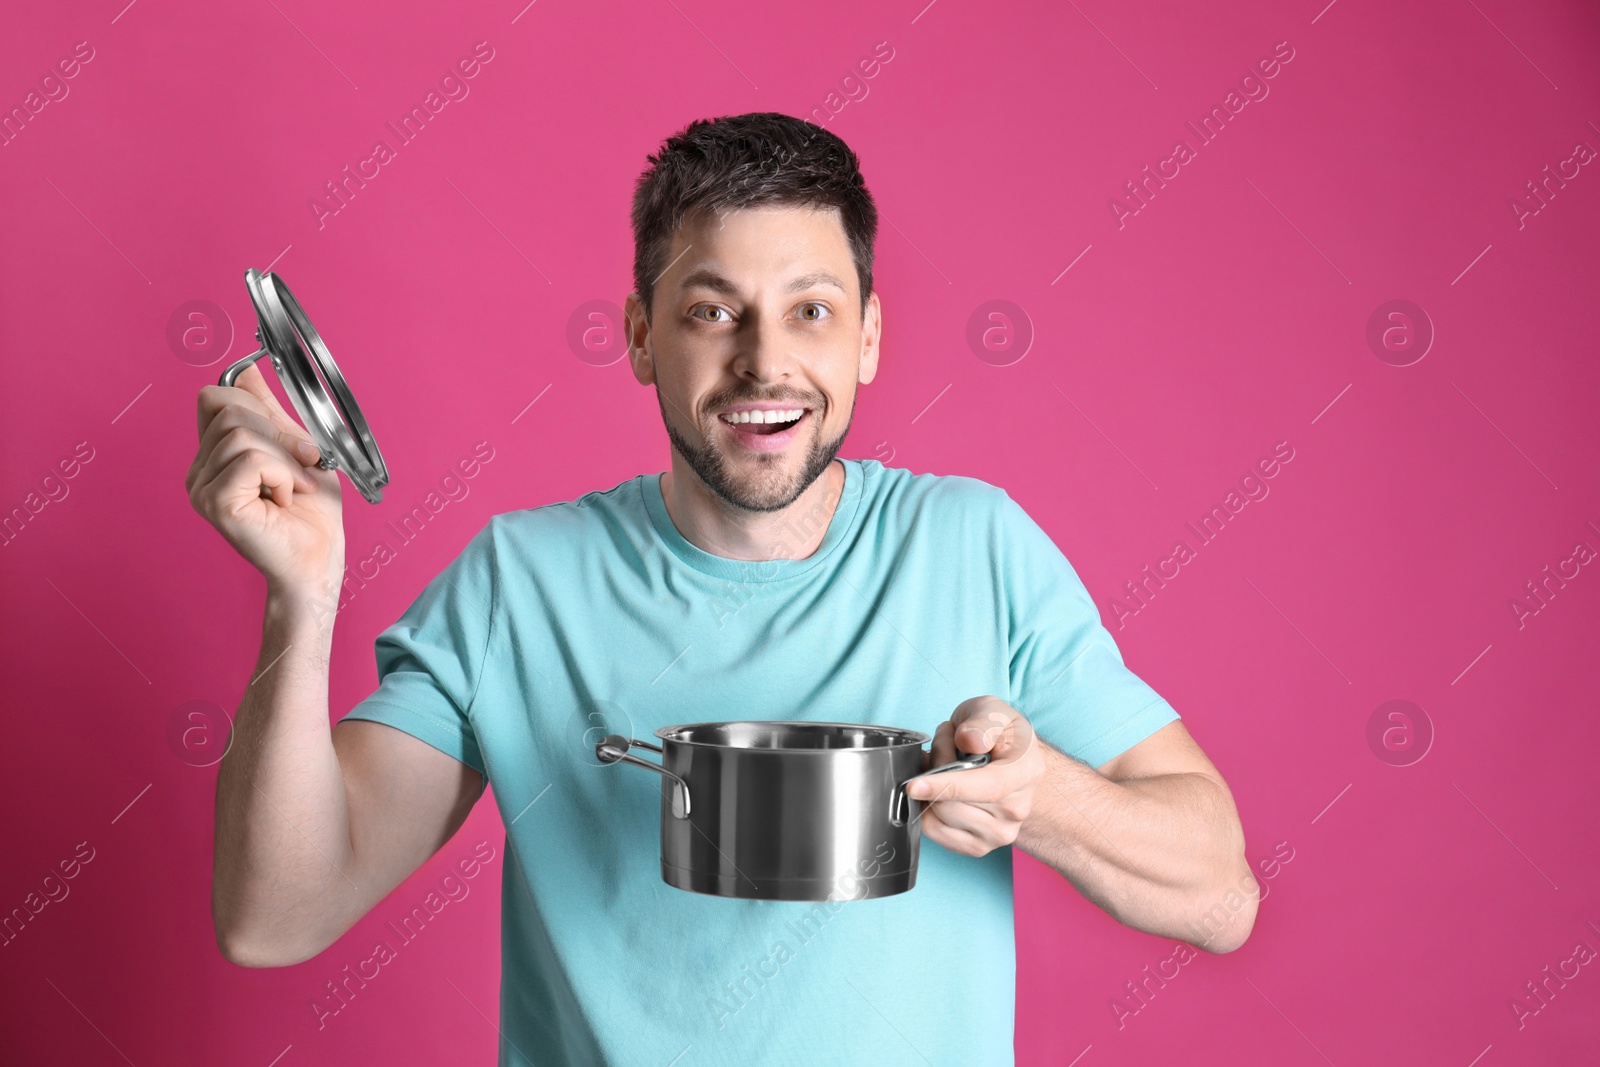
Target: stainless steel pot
[[787, 810]]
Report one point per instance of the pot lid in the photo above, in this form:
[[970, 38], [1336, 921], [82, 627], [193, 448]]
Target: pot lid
[[315, 385]]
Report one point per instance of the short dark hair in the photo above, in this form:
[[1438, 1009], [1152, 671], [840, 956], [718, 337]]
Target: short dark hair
[[736, 161]]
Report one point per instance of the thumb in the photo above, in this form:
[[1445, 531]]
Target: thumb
[[994, 728]]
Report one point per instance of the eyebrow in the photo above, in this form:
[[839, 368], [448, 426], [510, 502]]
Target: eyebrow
[[709, 278]]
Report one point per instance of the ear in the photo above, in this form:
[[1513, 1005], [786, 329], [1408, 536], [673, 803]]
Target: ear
[[638, 338], [871, 335]]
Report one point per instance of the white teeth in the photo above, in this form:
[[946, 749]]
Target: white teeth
[[771, 415]]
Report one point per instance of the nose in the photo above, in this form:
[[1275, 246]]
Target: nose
[[764, 355]]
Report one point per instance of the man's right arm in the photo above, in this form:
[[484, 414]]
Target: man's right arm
[[315, 825]]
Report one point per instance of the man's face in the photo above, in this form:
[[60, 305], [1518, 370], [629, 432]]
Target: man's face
[[755, 347]]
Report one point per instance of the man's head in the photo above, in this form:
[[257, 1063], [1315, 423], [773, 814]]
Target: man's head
[[753, 239]]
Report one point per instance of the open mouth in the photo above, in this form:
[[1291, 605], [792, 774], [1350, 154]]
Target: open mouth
[[764, 429]]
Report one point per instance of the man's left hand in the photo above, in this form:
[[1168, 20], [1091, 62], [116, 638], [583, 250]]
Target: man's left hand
[[974, 812]]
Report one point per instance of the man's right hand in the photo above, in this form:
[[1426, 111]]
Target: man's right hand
[[276, 507]]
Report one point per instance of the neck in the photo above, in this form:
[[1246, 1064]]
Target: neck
[[713, 525]]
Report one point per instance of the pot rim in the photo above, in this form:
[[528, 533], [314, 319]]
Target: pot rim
[[912, 738]]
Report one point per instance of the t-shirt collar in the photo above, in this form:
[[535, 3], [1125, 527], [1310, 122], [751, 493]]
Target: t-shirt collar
[[840, 527]]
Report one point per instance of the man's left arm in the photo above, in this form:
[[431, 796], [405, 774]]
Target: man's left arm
[[1152, 835]]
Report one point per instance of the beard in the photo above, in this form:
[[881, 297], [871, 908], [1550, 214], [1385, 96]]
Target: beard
[[770, 488]]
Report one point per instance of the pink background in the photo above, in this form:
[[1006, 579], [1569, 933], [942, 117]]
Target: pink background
[[1229, 314]]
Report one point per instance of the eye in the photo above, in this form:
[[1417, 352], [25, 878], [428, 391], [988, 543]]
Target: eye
[[822, 312], [696, 312]]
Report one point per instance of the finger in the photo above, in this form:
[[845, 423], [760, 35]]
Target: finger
[[252, 382], [241, 442], [215, 399], [240, 438], [944, 746], [246, 423], [956, 840], [241, 480], [210, 401], [992, 726], [975, 819], [237, 415], [981, 722], [226, 402], [988, 784]]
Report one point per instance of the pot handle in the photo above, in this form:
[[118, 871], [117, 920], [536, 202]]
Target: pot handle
[[897, 801], [613, 748]]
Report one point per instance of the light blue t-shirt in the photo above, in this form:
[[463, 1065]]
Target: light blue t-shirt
[[561, 623]]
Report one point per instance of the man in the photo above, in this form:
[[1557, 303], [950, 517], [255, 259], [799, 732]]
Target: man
[[759, 577]]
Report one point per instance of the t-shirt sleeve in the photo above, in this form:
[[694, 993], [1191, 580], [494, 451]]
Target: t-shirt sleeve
[[1067, 674], [431, 661]]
